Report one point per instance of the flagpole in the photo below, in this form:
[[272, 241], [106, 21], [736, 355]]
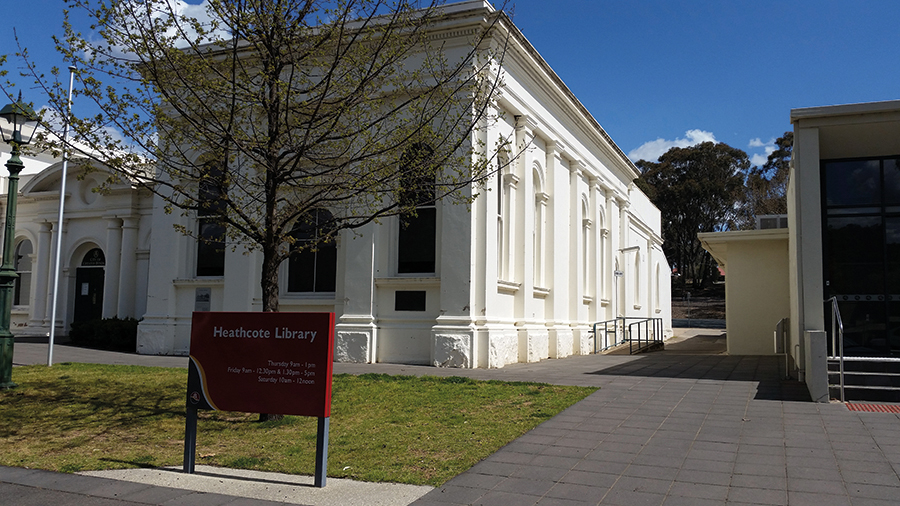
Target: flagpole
[[59, 221]]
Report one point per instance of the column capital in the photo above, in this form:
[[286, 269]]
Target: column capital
[[526, 123], [578, 167], [555, 148]]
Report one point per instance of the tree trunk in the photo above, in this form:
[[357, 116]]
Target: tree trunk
[[268, 281]]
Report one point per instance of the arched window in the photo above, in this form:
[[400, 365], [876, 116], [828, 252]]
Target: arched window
[[312, 265], [22, 294], [416, 241]]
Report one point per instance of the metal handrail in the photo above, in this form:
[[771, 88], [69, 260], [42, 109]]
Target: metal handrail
[[646, 323], [837, 340], [644, 329], [598, 347]]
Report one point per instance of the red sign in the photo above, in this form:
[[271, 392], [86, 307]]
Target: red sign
[[262, 362]]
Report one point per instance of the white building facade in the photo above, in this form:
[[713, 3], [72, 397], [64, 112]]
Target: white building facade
[[557, 239], [105, 249]]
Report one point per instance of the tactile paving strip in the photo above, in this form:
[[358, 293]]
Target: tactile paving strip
[[874, 408]]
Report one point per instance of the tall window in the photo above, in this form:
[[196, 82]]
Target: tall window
[[502, 197], [211, 232], [861, 251], [418, 227], [22, 294], [505, 219], [540, 204], [637, 278], [586, 248], [312, 266]]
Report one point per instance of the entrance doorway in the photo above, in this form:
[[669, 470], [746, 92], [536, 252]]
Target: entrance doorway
[[89, 287]]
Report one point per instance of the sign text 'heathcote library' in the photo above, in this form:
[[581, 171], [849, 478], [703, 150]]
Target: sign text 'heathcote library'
[[262, 362]]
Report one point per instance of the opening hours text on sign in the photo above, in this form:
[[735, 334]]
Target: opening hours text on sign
[[261, 363]]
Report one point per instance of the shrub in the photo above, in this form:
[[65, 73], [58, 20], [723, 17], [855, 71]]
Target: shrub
[[114, 334]]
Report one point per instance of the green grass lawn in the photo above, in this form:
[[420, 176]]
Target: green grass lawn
[[74, 417]]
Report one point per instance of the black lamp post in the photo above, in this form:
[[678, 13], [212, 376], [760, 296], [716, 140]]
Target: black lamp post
[[18, 123]]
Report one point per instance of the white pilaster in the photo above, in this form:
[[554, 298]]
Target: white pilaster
[[128, 264], [558, 236], [453, 335], [64, 278], [42, 268], [111, 276], [356, 337]]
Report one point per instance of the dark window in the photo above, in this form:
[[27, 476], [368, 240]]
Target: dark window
[[861, 251], [409, 300], [211, 232], [312, 266], [418, 225], [22, 296]]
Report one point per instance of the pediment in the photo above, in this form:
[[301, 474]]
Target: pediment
[[77, 176]]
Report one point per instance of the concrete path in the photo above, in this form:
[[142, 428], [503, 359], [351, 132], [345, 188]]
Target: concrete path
[[667, 428]]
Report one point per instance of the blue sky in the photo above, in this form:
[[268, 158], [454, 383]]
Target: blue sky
[[656, 73]]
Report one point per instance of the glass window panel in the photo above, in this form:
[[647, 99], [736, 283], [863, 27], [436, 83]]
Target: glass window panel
[[211, 249], [892, 255], [23, 256], [852, 211], [326, 268], [416, 245], [893, 327], [864, 328], [302, 271], [892, 181], [313, 266], [854, 255], [22, 296], [853, 183]]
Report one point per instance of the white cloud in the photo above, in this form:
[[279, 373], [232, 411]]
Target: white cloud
[[759, 159], [652, 150]]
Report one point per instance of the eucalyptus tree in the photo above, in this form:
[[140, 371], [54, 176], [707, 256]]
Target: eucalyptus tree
[[696, 190], [766, 186], [257, 114]]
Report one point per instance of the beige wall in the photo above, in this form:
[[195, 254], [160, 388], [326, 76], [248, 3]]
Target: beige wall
[[756, 286]]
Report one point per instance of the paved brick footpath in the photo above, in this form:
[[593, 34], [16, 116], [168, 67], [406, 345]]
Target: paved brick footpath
[[690, 430]]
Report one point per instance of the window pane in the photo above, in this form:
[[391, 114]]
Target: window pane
[[326, 267], [312, 267], [416, 245], [892, 181], [855, 255], [22, 296], [864, 328], [853, 183], [211, 249], [23, 256], [302, 271]]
